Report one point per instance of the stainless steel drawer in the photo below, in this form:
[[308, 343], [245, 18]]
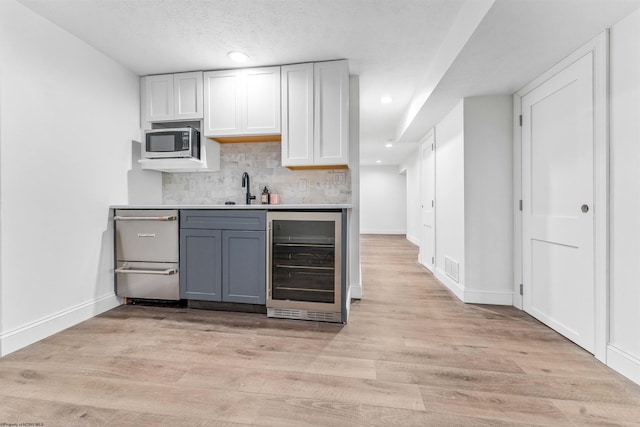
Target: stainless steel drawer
[[151, 280], [147, 235]]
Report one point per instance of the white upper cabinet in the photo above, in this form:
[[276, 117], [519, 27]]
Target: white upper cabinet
[[222, 110], [331, 113], [297, 115], [261, 106], [171, 97], [187, 89], [315, 114], [242, 102], [158, 97]]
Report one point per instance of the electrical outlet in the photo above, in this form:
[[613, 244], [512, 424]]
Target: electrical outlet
[[302, 185], [192, 185], [338, 178]]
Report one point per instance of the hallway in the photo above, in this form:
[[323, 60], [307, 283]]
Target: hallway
[[493, 362]]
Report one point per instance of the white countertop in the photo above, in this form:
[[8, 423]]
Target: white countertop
[[254, 206]]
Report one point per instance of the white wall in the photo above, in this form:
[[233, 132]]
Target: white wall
[[383, 200], [474, 220], [488, 192], [144, 186], [355, 281], [411, 169], [624, 350], [68, 116], [450, 195]]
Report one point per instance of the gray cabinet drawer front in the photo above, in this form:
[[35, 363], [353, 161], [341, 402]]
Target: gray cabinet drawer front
[[223, 219]]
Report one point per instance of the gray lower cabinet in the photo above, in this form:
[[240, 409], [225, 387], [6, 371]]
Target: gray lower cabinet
[[201, 264], [244, 266], [223, 256]]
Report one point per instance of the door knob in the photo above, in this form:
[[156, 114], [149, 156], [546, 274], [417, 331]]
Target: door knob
[[585, 208]]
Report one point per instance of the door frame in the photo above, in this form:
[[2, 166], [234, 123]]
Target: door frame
[[599, 46], [423, 141]]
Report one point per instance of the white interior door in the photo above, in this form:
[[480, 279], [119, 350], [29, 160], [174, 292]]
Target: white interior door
[[428, 188], [558, 194]]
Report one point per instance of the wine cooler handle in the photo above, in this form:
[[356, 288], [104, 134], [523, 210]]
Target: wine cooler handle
[[269, 259]]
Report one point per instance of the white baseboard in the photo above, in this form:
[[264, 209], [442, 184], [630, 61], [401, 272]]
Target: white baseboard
[[382, 231], [355, 290], [624, 363], [471, 296], [348, 303], [413, 239], [429, 267], [456, 288], [488, 297], [30, 333]]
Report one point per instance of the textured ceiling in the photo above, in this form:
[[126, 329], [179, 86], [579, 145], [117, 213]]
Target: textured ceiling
[[391, 44]]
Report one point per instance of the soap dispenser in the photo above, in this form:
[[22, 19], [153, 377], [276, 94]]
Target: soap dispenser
[[264, 199]]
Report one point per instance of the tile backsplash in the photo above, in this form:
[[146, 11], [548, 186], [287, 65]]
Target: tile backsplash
[[262, 161]]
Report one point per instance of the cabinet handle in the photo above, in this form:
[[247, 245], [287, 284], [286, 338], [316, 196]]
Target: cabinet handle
[[167, 272], [146, 218]]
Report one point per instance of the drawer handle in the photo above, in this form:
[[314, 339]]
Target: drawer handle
[[146, 218], [127, 270]]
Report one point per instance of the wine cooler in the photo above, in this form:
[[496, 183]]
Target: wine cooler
[[304, 277]]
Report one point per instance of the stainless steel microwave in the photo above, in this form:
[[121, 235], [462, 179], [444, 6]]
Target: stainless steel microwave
[[171, 143]]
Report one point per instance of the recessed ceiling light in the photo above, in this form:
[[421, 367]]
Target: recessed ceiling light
[[388, 145], [378, 161], [238, 56], [386, 99]]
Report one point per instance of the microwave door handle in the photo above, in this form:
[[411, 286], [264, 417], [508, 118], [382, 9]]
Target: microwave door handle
[[146, 218]]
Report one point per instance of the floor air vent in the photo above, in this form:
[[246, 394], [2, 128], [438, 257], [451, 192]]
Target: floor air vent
[[451, 268], [290, 313]]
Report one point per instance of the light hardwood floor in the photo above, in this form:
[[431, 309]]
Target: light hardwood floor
[[411, 355]]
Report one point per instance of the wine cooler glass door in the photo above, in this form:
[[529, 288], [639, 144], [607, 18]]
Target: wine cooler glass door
[[305, 260]]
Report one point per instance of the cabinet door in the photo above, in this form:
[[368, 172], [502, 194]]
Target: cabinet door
[[297, 115], [331, 113], [261, 101], [187, 89], [244, 266], [158, 97], [222, 109], [201, 264]]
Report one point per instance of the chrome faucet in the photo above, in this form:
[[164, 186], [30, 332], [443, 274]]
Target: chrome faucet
[[245, 183]]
